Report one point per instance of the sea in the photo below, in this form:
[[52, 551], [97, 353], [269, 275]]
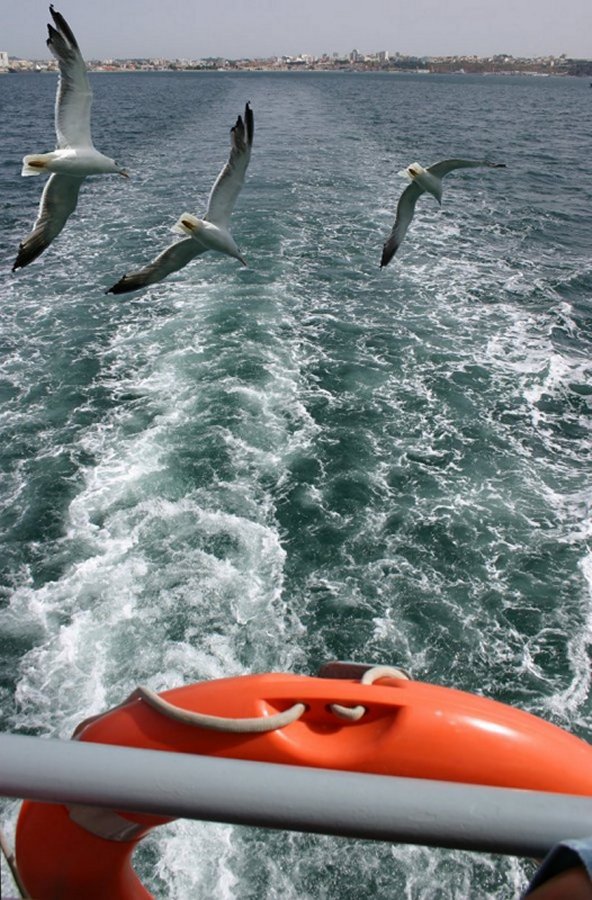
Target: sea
[[263, 469]]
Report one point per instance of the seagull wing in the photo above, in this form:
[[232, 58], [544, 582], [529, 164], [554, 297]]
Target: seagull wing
[[231, 179], [58, 202], [74, 96], [171, 260], [442, 168], [405, 210]]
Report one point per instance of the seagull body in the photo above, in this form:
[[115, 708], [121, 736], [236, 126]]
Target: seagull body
[[423, 180], [211, 236], [75, 156], [210, 233]]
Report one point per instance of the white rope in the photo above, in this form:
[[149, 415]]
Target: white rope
[[355, 713], [372, 675], [260, 724], [257, 725], [349, 713]]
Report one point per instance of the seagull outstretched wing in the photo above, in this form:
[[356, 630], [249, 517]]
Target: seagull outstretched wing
[[440, 169], [229, 182], [170, 260], [74, 96], [58, 202], [405, 210]]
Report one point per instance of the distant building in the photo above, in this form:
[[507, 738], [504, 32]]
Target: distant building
[[3, 60]]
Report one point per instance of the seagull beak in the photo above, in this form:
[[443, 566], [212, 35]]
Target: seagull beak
[[123, 173]]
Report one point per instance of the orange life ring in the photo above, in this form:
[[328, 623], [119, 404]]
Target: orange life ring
[[403, 728]]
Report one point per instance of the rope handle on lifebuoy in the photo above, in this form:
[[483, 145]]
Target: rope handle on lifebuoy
[[355, 713], [260, 724]]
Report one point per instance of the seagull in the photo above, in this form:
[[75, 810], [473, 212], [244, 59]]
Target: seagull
[[74, 157], [211, 232], [422, 180]]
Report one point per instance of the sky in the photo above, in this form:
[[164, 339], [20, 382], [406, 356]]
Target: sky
[[194, 29]]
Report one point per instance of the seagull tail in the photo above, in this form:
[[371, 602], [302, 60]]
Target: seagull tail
[[187, 224], [36, 163]]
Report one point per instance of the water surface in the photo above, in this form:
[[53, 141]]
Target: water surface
[[243, 470]]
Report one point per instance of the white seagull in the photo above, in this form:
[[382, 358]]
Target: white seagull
[[75, 157], [211, 232], [422, 180]]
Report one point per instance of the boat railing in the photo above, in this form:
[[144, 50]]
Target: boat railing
[[297, 798]]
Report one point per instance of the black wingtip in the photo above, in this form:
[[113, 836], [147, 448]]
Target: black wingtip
[[247, 126], [29, 250], [21, 261], [125, 285], [249, 121], [62, 26]]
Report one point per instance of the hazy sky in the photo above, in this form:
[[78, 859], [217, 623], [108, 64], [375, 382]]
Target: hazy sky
[[239, 28]]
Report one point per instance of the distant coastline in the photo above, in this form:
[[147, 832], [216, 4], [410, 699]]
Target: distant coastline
[[500, 64]]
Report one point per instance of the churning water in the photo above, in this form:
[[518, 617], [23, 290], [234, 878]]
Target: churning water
[[242, 470]]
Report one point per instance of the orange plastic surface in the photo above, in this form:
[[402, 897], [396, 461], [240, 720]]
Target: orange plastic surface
[[410, 729]]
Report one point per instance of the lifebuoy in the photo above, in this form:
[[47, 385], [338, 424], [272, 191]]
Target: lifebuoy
[[386, 725]]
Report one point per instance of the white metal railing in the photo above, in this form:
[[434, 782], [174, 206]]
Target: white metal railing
[[347, 804]]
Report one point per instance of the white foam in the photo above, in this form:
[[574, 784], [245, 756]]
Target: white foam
[[165, 576], [567, 703]]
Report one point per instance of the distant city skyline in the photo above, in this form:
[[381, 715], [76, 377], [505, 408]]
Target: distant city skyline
[[264, 28]]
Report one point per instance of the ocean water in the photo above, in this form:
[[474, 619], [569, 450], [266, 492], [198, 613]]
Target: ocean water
[[243, 470]]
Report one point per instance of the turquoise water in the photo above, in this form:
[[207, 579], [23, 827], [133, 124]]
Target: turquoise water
[[244, 470]]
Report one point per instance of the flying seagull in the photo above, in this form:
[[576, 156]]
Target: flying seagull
[[74, 157], [211, 232], [422, 180]]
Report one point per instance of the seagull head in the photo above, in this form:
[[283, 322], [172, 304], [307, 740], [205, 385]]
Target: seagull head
[[119, 170], [424, 179], [412, 171], [108, 166], [188, 225]]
